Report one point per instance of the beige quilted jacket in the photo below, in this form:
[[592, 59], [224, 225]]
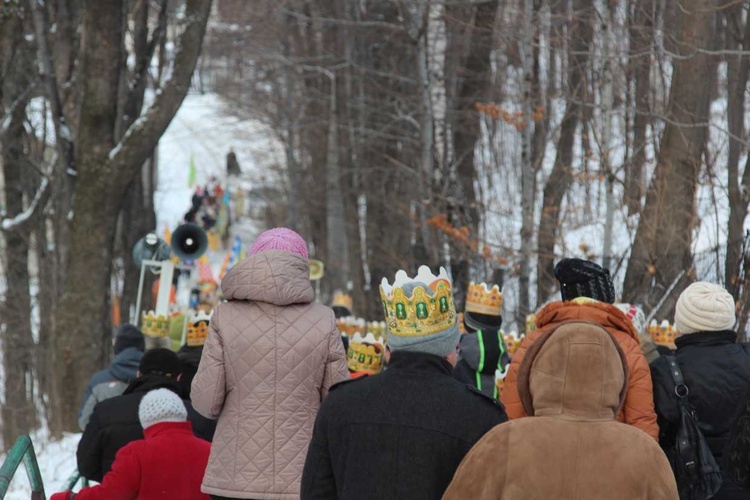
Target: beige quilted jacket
[[270, 358]]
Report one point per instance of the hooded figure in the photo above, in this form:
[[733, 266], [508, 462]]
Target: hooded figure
[[112, 381], [584, 277], [573, 381], [271, 356], [482, 354]]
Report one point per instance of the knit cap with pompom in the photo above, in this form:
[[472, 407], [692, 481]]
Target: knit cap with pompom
[[704, 307], [159, 406], [280, 238]]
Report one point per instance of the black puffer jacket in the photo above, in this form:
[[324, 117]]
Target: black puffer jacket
[[115, 423], [399, 434], [717, 373], [482, 353]]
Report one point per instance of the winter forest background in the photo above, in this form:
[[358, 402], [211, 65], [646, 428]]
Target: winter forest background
[[489, 136]]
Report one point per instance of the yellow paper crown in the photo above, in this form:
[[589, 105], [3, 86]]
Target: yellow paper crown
[[425, 311], [663, 333], [482, 299], [197, 329], [350, 325], [530, 323], [341, 299], [365, 354], [153, 325]]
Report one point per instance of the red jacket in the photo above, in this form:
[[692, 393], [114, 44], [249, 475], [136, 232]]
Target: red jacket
[[168, 464]]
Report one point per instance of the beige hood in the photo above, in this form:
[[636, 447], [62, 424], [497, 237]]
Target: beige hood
[[575, 370], [274, 276]]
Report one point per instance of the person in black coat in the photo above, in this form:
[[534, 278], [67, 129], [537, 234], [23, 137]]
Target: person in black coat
[[483, 352], [114, 422], [716, 371], [401, 433]]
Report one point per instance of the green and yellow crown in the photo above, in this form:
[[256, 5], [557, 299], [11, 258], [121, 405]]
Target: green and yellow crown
[[365, 354], [423, 311], [153, 325]]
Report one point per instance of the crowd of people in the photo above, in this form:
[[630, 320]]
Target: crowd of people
[[587, 407]]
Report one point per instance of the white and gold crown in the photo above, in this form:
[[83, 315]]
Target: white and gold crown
[[341, 299], [365, 354], [422, 312], [154, 325], [197, 329], [483, 299], [349, 325]]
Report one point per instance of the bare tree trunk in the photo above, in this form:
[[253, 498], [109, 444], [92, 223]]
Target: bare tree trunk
[[661, 250], [641, 36], [561, 177], [106, 168], [739, 186]]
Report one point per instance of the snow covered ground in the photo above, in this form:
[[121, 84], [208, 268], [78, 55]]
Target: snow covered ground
[[204, 130]]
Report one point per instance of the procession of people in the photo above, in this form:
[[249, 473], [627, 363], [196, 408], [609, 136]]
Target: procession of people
[[297, 401]]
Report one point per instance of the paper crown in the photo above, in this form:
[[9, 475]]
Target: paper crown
[[377, 328], [197, 329], [349, 325], [153, 325], [482, 299], [663, 333], [341, 299], [365, 354], [422, 312]]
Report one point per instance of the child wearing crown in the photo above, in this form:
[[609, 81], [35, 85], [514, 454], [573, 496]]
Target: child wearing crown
[[413, 421]]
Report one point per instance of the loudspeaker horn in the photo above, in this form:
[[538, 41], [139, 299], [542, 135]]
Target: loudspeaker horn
[[189, 242], [150, 247]]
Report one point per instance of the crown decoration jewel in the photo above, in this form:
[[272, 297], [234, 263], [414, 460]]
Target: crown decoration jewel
[[424, 311], [197, 329], [341, 299], [365, 354], [483, 299], [154, 325]]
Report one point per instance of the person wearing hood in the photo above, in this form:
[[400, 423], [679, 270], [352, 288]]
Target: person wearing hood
[[114, 422], [588, 294], [112, 381], [271, 356], [716, 370], [168, 463], [482, 349], [572, 382]]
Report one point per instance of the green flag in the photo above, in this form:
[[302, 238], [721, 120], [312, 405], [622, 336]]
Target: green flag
[[192, 174]]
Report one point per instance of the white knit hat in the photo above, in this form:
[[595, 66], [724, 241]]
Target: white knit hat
[[704, 307], [161, 405]]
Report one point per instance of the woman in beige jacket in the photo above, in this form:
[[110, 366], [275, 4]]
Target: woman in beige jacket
[[271, 356]]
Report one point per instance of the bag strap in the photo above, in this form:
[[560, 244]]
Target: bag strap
[[680, 389]]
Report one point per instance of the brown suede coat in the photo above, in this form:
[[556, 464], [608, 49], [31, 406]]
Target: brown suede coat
[[574, 383], [638, 409]]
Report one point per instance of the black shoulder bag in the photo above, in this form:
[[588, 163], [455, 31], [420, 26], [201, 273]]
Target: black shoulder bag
[[696, 471]]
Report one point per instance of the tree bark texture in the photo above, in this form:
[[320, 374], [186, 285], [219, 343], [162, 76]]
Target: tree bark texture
[[561, 177], [105, 169], [739, 185], [641, 37], [661, 250]]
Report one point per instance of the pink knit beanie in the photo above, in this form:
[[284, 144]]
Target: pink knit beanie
[[280, 238]]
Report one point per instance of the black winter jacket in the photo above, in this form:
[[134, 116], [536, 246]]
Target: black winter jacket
[[190, 358], [399, 434], [717, 373], [115, 423]]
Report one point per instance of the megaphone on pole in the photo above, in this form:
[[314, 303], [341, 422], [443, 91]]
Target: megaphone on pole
[[189, 242]]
